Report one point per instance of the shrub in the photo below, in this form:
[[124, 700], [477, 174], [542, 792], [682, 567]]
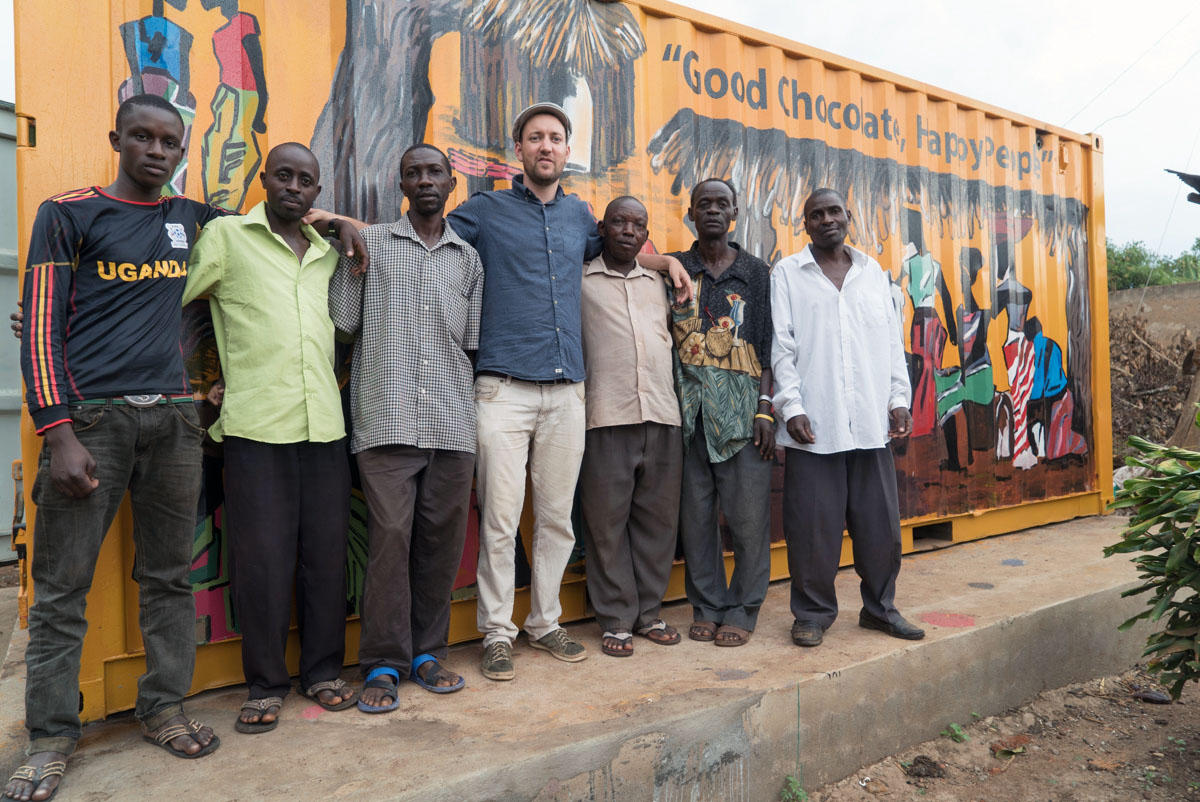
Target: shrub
[[1165, 534]]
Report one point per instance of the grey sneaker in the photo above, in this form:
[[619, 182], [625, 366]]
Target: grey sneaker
[[561, 645], [497, 660]]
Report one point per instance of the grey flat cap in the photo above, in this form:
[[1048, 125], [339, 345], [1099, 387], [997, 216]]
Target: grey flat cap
[[540, 108]]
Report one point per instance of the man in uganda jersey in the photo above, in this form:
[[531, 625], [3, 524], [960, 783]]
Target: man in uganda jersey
[[106, 388]]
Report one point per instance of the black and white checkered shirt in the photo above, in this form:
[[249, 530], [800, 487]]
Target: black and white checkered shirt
[[415, 313]]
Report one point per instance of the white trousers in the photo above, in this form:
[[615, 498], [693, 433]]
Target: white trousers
[[541, 425]]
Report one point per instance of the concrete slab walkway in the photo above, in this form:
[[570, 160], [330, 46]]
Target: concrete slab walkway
[[1007, 617]]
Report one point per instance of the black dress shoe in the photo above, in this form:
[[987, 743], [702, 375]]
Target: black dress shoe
[[895, 626], [806, 633]]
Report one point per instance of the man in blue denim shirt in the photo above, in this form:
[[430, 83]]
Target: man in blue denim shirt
[[533, 240]]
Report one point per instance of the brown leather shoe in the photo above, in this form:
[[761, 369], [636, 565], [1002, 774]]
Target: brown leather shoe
[[806, 633]]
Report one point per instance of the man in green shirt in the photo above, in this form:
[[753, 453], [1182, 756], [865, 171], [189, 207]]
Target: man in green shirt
[[287, 478]]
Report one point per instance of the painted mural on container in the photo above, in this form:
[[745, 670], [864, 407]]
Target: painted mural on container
[[977, 222]]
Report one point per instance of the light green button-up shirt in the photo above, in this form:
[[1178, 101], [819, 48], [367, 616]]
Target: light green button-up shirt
[[270, 315]]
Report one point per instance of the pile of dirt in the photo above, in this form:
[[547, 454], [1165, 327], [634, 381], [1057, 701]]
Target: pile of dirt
[[1111, 738], [1150, 381]]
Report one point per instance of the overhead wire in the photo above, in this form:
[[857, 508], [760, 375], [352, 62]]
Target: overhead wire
[[1167, 224], [1155, 91], [1131, 65]]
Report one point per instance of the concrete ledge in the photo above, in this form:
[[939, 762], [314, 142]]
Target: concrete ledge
[[1010, 617]]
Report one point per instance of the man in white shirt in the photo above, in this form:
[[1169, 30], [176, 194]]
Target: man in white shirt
[[841, 385]]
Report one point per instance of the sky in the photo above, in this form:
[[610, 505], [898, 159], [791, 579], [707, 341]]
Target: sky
[[1091, 66]]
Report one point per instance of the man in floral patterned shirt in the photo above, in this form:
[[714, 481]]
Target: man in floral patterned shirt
[[723, 375]]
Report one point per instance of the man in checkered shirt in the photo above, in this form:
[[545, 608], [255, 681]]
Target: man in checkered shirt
[[416, 315]]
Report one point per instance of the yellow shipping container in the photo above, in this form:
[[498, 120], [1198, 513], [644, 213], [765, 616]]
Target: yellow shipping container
[[991, 223]]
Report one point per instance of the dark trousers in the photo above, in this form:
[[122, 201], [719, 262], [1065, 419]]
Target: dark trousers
[[418, 500], [824, 494], [287, 511], [740, 487], [154, 452], [629, 500]]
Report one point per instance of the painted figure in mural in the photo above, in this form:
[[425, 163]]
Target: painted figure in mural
[[927, 334], [968, 388], [1013, 298], [158, 51], [108, 332], [633, 457], [1051, 404], [412, 413], [832, 309], [724, 385], [287, 479], [529, 392], [231, 154], [577, 52]]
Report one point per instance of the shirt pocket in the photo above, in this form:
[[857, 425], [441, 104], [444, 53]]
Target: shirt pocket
[[872, 311]]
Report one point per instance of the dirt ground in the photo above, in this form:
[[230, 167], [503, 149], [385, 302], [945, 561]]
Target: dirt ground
[[1151, 377], [1098, 740]]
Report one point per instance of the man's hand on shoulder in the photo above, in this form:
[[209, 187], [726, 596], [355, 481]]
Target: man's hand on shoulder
[[800, 430], [72, 468], [680, 279], [352, 244], [346, 230], [18, 321], [684, 289]]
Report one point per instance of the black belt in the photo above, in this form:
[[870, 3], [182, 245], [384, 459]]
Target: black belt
[[147, 400], [506, 377]]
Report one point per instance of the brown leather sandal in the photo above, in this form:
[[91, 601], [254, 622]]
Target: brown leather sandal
[[729, 635]]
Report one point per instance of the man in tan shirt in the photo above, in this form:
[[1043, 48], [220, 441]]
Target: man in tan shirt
[[633, 454]]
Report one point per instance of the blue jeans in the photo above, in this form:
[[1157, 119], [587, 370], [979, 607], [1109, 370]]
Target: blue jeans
[[154, 452]]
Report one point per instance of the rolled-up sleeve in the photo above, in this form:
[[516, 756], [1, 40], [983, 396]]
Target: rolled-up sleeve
[[346, 297]]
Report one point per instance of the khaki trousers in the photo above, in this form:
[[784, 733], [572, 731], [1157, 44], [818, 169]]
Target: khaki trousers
[[542, 426]]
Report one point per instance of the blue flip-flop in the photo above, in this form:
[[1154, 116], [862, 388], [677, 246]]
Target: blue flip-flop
[[413, 675], [389, 680]]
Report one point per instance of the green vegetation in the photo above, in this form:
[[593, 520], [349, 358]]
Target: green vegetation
[[955, 733], [1133, 265], [792, 790], [1166, 535]]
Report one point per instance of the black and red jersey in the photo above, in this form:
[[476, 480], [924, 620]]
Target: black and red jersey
[[104, 279]]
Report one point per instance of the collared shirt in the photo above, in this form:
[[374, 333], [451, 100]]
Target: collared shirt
[[627, 347], [271, 321], [533, 254], [722, 340], [416, 312], [101, 298], [838, 355]]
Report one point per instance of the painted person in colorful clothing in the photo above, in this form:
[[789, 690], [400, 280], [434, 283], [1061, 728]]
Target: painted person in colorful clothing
[[239, 108], [412, 410], [843, 391], [106, 388], [287, 477], [534, 240], [632, 461], [723, 376]]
